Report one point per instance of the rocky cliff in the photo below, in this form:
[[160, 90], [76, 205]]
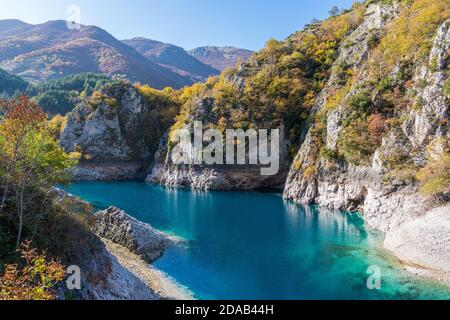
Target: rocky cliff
[[114, 132], [420, 134], [214, 177], [379, 142], [116, 225]]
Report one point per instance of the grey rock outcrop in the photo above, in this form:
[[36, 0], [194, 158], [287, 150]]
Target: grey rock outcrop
[[215, 177], [102, 276], [425, 124], [116, 225], [395, 207], [115, 132], [207, 178]]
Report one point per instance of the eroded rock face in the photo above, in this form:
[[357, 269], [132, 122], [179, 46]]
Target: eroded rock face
[[395, 207], [341, 186], [117, 130], [215, 177], [344, 186], [206, 178], [428, 122], [102, 276], [116, 225]]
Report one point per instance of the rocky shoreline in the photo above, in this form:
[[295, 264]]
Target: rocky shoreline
[[115, 257], [164, 287], [135, 245], [423, 244]]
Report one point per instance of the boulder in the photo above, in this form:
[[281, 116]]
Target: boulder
[[117, 226]]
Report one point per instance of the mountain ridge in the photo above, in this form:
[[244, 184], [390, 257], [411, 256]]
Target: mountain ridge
[[50, 50], [171, 56], [220, 58]]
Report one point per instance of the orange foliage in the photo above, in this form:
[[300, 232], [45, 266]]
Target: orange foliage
[[376, 127], [32, 282], [21, 114]]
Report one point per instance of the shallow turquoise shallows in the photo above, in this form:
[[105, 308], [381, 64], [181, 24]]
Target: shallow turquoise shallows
[[257, 246]]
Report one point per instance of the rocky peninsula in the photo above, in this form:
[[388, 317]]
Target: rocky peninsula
[[115, 260]]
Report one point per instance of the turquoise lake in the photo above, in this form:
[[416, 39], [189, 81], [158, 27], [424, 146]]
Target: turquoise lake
[[248, 245]]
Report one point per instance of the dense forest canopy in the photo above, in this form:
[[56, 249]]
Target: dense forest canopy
[[57, 96], [10, 84]]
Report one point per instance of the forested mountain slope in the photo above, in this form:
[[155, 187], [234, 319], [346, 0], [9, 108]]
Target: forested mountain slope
[[51, 50]]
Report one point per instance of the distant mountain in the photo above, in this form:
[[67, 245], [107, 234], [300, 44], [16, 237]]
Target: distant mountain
[[9, 83], [51, 50], [11, 25], [220, 57], [172, 57]]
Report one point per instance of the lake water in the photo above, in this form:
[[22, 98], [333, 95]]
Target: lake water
[[248, 245]]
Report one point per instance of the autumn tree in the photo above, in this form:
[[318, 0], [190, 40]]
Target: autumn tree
[[334, 11], [33, 279], [376, 127], [32, 161]]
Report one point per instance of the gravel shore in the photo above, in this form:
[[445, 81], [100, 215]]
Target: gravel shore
[[423, 244], [161, 284]]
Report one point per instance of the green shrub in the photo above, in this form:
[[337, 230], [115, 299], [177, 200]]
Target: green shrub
[[435, 177], [354, 143], [373, 40], [385, 85], [329, 154]]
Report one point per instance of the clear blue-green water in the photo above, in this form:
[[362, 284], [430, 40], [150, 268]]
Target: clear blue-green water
[[257, 246]]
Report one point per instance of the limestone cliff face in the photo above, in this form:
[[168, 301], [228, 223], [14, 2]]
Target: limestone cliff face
[[387, 195], [115, 131], [217, 177], [342, 185], [116, 225]]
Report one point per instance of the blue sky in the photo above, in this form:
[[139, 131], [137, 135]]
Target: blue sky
[[187, 23]]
